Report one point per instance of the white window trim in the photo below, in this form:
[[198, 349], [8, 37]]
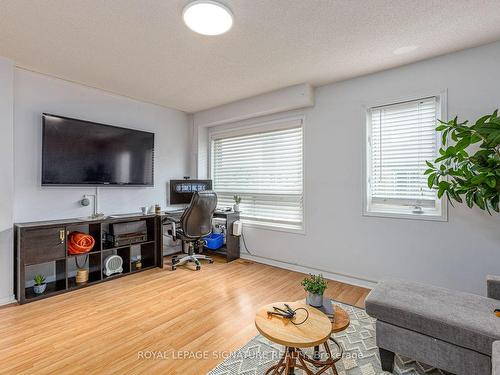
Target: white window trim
[[390, 211], [252, 126]]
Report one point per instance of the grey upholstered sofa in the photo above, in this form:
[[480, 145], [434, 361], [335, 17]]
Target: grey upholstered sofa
[[450, 330]]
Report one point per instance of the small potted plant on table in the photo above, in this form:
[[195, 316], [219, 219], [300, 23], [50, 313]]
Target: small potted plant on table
[[237, 201], [315, 286], [40, 284]]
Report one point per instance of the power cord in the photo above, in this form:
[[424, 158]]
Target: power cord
[[245, 243]]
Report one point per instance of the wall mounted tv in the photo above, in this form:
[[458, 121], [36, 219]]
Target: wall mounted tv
[[77, 152]]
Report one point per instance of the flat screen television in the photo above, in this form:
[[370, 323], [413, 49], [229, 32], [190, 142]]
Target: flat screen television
[[77, 152]]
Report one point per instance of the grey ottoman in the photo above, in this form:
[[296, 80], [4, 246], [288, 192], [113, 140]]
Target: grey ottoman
[[450, 330]]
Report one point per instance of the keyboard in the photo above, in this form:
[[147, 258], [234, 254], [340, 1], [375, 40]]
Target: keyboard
[[175, 212]]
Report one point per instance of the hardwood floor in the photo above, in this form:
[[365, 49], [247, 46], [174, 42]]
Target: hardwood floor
[[154, 322]]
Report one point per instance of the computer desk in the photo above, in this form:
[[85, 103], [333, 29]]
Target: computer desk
[[230, 250]]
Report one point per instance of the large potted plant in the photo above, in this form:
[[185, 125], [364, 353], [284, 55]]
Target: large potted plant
[[315, 286], [465, 173]]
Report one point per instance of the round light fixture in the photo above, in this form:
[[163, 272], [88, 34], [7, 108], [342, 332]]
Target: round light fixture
[[207, 17]]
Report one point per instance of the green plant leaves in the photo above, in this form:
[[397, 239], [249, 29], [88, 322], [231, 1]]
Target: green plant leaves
[[431, 179], [477, 176], [315, 284]]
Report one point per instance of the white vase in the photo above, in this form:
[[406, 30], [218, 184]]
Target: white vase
[[236, 207]]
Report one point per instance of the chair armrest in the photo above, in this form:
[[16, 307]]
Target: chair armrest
[[493, 287], [495, 358]]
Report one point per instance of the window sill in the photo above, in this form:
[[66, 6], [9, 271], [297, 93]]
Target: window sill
[[396, 214], [273, 227]]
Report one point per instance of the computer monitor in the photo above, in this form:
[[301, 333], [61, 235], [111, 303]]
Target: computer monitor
[[181, 191]]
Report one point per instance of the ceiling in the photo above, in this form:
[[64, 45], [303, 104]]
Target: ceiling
[[142, 49]]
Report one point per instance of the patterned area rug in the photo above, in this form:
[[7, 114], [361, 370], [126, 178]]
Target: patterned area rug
[[360, 353]]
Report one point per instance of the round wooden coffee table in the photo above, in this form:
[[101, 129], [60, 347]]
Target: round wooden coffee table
[[341, 320], [315, 331]]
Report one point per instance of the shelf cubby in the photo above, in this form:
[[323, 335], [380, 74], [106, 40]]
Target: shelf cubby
[[93, 265], [57, 277], [93, 229], [148, 254], [123, 252]]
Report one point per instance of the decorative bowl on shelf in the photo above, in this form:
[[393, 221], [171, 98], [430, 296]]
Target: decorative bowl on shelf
[[80, 243]]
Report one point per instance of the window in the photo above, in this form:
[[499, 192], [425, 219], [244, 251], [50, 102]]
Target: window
[[264, 166], [401, 137]]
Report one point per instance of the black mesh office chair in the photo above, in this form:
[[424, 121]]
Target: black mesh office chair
[[195, 223]]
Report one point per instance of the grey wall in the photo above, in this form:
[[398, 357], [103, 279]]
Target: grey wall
[[339, 240], [6, 178]]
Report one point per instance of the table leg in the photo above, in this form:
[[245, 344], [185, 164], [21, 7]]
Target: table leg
[[316, 354], [322, 365], [290, 363], [329, 354], [303, 365], [275, 370]]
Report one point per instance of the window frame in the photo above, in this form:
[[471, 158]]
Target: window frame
[[255, 127], [402, 211]]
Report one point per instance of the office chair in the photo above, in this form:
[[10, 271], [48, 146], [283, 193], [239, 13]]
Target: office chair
[[195, 223]]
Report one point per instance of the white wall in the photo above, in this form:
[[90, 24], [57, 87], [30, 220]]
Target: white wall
[[348, 246], [286, 99], [36, 93], [6, 178], [24, 96]]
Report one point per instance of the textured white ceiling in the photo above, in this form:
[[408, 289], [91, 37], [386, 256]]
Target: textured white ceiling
[[142, 49]]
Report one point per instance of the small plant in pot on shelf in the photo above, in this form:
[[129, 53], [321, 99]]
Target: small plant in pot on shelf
[[315, 286], [237, 201], [40, 284]]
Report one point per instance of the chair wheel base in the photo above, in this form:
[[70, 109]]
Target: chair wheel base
[[210, 261], [174, 268], [198, 268]]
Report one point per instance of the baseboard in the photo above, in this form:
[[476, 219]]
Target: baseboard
[[348, 279], [7, 300]]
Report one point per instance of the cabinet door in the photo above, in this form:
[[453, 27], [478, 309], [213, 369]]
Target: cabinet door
[[43, 245]]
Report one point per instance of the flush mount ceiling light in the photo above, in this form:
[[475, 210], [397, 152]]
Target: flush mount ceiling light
[[207, 17]]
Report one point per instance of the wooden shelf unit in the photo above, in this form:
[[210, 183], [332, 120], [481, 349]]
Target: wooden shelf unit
[[45, 244]]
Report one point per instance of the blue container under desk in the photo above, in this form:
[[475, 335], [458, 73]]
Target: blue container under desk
[[214, 241]]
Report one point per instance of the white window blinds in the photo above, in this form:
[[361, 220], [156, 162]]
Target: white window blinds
[[265, 169], [401, 138]]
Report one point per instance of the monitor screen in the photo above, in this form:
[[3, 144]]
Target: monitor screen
[[77, 152], [181, 191]]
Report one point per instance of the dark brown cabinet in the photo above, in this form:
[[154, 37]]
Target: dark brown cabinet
[[43, 245]]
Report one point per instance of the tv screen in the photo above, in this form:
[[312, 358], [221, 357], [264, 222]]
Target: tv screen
[[181, 191], [77, 152]]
